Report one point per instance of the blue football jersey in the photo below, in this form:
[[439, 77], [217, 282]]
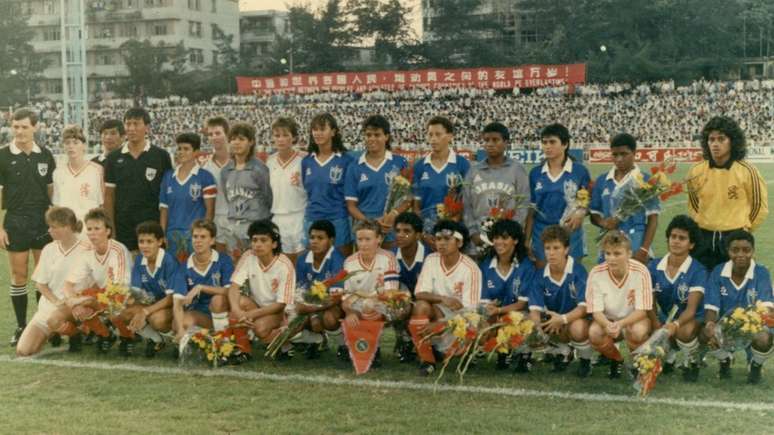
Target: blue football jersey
[[691, 277], [184, 200], [217, 274], [560, 296], [370, 186], [722, 295], [324, 185], [167, 277], [410, 274], [506, 289], [306, 274], [431, 185]]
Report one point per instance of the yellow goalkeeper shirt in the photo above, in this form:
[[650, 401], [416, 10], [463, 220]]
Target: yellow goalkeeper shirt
[[727, 198]]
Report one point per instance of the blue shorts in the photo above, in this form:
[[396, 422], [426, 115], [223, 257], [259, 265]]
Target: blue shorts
[[199, 307], [342, 226]]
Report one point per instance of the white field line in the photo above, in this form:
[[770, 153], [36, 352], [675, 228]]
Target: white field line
[[396, 385]]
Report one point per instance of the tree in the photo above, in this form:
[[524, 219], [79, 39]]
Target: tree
[[154, 70], [20, 68], [385, 24]]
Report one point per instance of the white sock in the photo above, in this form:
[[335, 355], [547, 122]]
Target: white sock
[[584, 349], [307, 336], [219, 321], [761, 357], [689, 348], [150, 334], [336, 337]]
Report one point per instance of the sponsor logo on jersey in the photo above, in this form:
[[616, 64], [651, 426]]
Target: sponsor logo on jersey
[[150, 174]]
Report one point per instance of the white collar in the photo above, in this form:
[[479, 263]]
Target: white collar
[[452, 157], [611, 174], [419, 256], [16, 150], [310, 257], [194, 171], [728, 267], [387, 157], [567, 270], [662, 265], [213, 259], [566, 168], [159, 261], [319, 162], [125, 148]]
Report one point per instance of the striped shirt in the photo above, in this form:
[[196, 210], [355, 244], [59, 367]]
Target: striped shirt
[[274, 283], [115, 265], [616, 299], [461, 281]]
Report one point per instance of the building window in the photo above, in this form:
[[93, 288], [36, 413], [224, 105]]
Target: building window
[[196, 56], [129, 31], [195, 29], [105, 59], [52, 34], [130, 4], [195, 5], [48, 7], [159, 29], [214, 8]]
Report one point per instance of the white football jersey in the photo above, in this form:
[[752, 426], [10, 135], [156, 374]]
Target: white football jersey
[[221, 208], [271, 284], [617, 299], [56, 264], [115, 265], [79, 191], [461, 281], [288, 193]]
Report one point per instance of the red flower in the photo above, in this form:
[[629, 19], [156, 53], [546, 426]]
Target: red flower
[[336, 278], [408, 172], [490, 345], [471, 334], [654, 170], [591, 186]]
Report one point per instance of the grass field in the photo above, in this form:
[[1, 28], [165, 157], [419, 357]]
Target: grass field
[[62, 393]]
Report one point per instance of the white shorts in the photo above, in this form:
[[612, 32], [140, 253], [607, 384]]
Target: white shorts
[[291, 227], [234, 235], [221, 224], [40, 319]]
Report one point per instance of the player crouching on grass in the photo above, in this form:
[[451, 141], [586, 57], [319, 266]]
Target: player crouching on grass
[[156, 275], [739, 283], [679, 280], [449, 279], [321, 262], [271, 281], [204, 299], [557, 301], [618, 295], [382, 274]]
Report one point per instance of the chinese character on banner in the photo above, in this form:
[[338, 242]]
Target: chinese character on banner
[[415, 78], [551, 73], [449, 76], [283, 82], [483, 75], [399, 78], [518, 74], [256, 84], [312, 81], [432, 76], [534, 72], [466, 76], [270, 83], [341, 79], [327, 80], [499, 74], [371, 79], [356, 80], [297, 81]]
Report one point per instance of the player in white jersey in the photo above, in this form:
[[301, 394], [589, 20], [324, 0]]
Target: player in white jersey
[[449, 278], [217, 136], [106, 261], [78, 184], [288, 193], [619, 294], [58, 258], [271, 280]]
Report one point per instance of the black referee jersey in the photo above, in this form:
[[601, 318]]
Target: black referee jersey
[[25, 179], [137, 183]]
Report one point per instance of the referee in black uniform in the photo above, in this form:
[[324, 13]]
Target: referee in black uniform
[[133, 178], [26, 186]]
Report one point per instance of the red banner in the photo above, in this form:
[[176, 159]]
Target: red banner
[[363, 342], [527, 76], [649, 155]]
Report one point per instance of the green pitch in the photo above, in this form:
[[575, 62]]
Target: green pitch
[[84, 393]]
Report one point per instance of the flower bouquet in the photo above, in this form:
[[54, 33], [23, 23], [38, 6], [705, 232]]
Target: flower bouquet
[[458, 334], [214, 347], [400, 190], [510, 332], [111, 300], [577, 200], [737, 330], [648, 357]]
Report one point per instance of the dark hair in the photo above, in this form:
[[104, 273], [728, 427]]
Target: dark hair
[[245, 130], [266, 227], [446, 224], [319, 121], [73, 132], [288, 124], [739, 235], [730, 128], [152, 228], [496, 127], [624, 140], [560, 131], [192, 139], [409, 218], [65, 217], [204, 224], [379, 122], [138, 113], [218, 121], [325, 226], [685, 223], [512, 229], [442, 121], [112, 124], [99, 214], [25, 113], [555, 233]]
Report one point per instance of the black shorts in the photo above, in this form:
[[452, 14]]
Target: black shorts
[[26, 231]]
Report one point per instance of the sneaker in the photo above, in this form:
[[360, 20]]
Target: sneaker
[[754, 373], [725, 369], [406, 352], [126, 347], [691, 372], [90, 339], [16, 336], [377, 362], [561, 363], [75, 343], [616, 368], [522, 363], [105, 343], [584, 368], [176, 352], [239, 358], [668, 368], [55, 340], [426, 369], [503, 362], [312, 351], [285, 355], [343, 353], [152, 348]]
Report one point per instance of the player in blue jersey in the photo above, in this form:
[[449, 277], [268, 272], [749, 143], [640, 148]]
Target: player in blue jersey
[[739, 283], [679, 280], [506, 272], [187, 193], [434, 174], [322, 261], [368, 181], [557, 301], [323, 172], [640, 228], [156, 275], [203, 301], [552, 187]]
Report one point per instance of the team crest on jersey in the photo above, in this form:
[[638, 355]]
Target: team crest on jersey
[[630, 298], [274, 285], [458, 289], [453, 180], [606, 192], [682, 292], [195, 191], [489, 283], [388, 177], [336, 173], [42, 169], [363, 178], [538, 186], [657, 288], [493, 201], [516, 288], [570, 189], [150, 174], [216, 279], [573, 291], [752, 296], [295, 179]]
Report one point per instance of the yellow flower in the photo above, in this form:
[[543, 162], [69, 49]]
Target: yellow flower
[[226, 349], [583, 198], [102, 298], [210, 356], [640, 180], [473, 318], [319, 290], [738, 314]]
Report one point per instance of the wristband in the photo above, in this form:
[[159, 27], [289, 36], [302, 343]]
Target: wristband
[[564, 319], [644, 250], [676, 322]]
